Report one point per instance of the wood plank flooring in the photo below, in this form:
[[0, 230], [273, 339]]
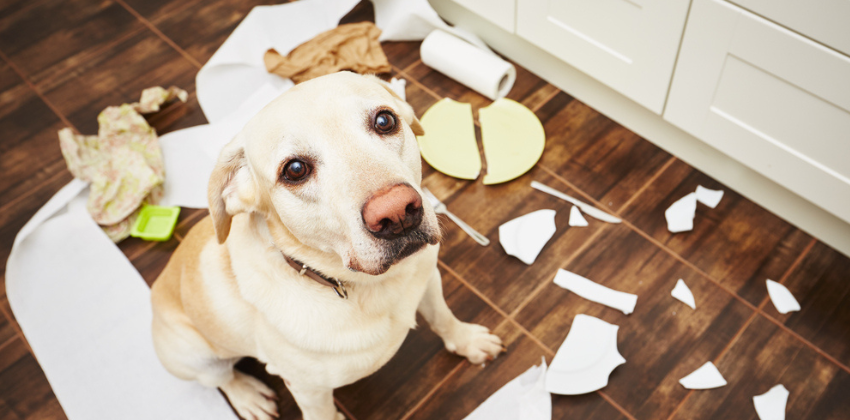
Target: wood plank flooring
[[63, 61]]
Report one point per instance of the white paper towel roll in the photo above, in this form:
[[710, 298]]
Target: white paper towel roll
[[482, 71]]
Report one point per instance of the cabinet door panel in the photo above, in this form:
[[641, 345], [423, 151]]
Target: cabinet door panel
[[768, 97], [630, 45]]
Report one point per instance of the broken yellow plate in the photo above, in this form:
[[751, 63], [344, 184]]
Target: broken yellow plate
[[449, 141], [513, 140]]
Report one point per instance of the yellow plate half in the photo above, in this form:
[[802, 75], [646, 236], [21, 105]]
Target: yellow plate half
[[449, 141], [513, 140]]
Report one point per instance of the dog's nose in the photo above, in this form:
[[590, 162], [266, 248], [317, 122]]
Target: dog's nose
[[393, 212]]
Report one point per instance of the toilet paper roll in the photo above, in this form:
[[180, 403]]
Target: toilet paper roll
[[481, 71]]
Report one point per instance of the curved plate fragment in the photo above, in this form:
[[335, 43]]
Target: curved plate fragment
[[525, 236], [782, 297], [706, 377], [513, 140], [449, 142], [586, 359], [771, 404]]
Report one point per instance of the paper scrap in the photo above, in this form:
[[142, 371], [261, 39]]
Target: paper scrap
[[781, 297], [596, 292], [683, 293], [523, 398], [449, 143], [771, 404], [353, 46], [576, 219], [680, 215], [513, 140], [586, 358], [525, 236], [709, 197], [706, 377]]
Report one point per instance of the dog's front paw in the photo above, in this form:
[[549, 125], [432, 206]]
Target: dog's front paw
[[474, 342], [250, 398]]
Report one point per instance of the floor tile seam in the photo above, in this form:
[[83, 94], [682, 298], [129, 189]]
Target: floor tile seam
[[416, 82], [432, 391], [192, 60], [473, 289], [37, 91], [681, 404], [14, 201], [649, 182], [656, 242], [8, 341], [410, 66], [546, 99], [184, 6], [345, 411], [735, 337], [147, 247], [52, 81], [575, 254], [797, 261], [615, 404], [806, 342]]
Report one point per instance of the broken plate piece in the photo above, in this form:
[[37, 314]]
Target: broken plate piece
[[710, 198], [781, 297], [596, 292], [449, 141], [513, 140], [576, 219], [586, 359], [706, 377], [524, 398], [525, 236], [680, 215], [683, 293], [771, 404]]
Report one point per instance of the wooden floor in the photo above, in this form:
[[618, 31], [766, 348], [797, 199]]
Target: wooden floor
[[65, 60]]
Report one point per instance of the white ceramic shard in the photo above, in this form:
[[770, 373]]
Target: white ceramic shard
[[398, 86], [596, 292], [710, 198], [524, 398], [683, 293], [771, 404], [576, 219], [525, 236], [781, 297], [586, 359], [680, 215], [706, 377]]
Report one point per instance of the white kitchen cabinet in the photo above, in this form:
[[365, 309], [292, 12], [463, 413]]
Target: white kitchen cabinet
[[500, 12], [772, 99], [629, 45]]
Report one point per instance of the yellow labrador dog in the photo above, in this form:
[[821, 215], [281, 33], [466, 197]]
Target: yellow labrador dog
[[317, 254]]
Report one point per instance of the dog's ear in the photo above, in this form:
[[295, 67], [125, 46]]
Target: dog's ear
[[404, 108], [231, 189]]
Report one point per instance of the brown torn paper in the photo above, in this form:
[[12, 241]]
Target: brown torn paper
[[353, 46]]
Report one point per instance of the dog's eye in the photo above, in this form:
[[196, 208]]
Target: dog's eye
[[295, 170], [385, 122]]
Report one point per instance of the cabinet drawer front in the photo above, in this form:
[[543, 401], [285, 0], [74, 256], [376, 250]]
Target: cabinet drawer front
[[826, 21], [629, 45], [768, 97]]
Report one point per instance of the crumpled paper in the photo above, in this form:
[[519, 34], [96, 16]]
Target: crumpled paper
[[353, 46], [123, 162]]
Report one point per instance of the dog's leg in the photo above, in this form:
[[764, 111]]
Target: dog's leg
[[316, 403], [472, 341], [187, 355]]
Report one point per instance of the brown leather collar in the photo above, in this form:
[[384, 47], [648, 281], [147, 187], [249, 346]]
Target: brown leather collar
[[331, 282]]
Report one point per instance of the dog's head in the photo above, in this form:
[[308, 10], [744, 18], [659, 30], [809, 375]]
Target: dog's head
[[335, 160]]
